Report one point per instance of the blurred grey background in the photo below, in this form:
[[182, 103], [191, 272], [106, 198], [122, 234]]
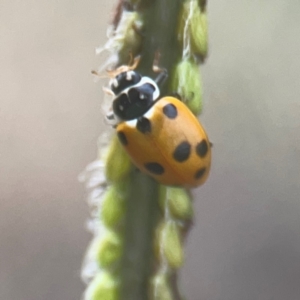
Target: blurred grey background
[[245, 243]]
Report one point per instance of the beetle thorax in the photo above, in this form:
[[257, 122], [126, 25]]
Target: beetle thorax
[[134, 95]]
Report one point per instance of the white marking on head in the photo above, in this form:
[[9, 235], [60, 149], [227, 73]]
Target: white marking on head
[[129, 75], [115, 83], [131, 123], [142, 96], [149, 114], [156, 92], [143, 80]]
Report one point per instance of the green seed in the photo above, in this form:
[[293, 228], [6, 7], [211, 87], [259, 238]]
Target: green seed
[[178, 202], [186, 81], [109, 249], [103, 287], [113, 205], [168, 244], [118, 164], [192, 30], [199, 34], [160, 289]]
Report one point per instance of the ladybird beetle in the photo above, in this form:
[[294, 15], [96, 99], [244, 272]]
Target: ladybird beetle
[[161, 135]]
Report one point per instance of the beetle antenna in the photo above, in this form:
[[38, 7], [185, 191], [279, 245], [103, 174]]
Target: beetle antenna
[[98, 75], [162, 76], [108, 91], [124, 68], [163, 73]]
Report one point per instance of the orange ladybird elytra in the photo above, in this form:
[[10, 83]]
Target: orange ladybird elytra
[[161, 135]]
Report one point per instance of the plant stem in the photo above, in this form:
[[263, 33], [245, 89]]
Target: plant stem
[[140, 220], [160, 36], [137, 266]]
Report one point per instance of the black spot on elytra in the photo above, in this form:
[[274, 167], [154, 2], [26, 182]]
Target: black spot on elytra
[[143, 125], [122, 137], [202, 148], [170, 111], [155, 168], [200, 173], [182, 151]]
